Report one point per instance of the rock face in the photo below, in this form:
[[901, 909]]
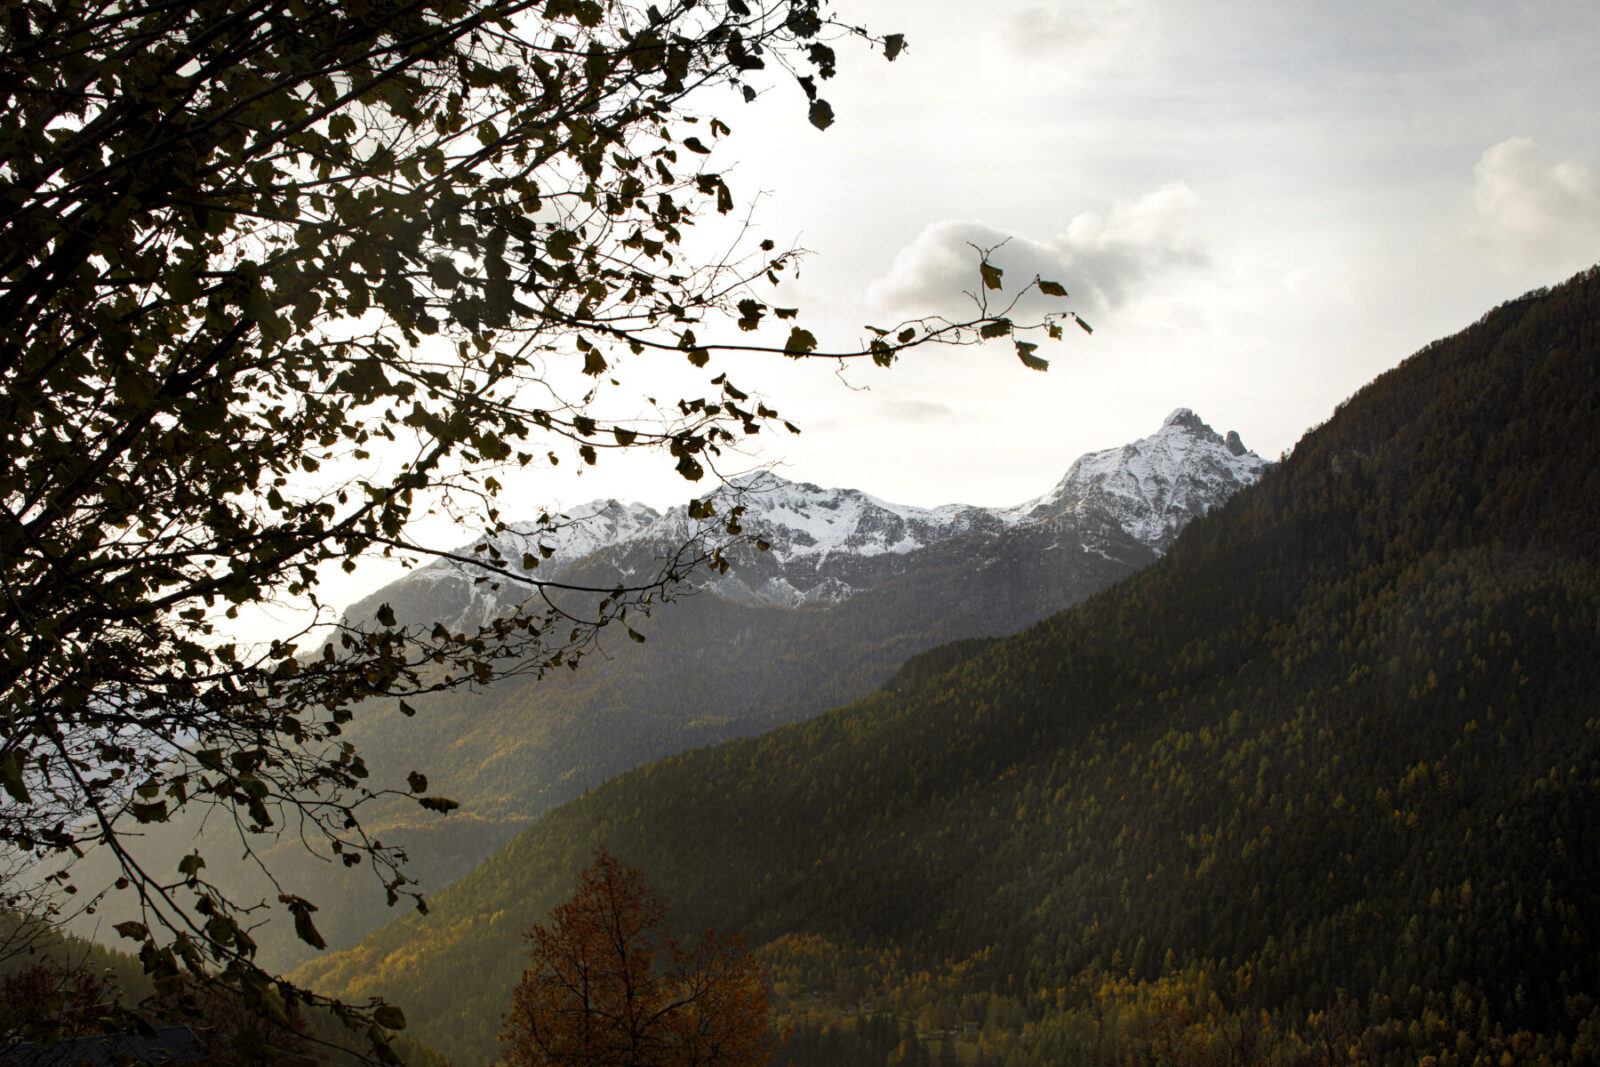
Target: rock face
[[828, 545]]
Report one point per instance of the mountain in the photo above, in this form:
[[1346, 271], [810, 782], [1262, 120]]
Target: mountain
[[828, 545], [850, 588], [1320, 786]]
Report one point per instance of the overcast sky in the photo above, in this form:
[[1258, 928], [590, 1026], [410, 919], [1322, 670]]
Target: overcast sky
[[1259, 205]]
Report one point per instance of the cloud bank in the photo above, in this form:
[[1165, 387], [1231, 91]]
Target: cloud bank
[[1534, 211], [1101, 259]]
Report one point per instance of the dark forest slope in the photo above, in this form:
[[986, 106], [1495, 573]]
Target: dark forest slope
[[1344, 737]]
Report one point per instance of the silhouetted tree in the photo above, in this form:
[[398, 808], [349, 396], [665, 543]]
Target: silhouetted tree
[[279, 276]]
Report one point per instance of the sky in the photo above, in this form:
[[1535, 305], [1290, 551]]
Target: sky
[[1258, 205]]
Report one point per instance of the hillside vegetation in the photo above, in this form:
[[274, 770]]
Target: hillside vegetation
[[1322, 783], [710, 669]]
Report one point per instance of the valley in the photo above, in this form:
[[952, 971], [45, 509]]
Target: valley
[[1326, 775], [849, 588]]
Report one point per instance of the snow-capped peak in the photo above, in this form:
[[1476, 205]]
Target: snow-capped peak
[[1150, 488], [824, 544], [802, 520], [1155, 485]]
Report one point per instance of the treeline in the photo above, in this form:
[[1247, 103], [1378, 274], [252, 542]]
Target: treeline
[[1333, 763], [1186, 1017]]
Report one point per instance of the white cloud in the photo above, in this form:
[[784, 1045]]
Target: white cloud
[[917, 411], [1101, 259], [1083, 36], [1533, 211]]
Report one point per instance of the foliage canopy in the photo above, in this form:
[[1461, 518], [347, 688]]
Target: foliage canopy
[[281, 277]]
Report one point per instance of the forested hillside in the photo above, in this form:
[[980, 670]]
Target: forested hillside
[[714, 664], [1323, 781]]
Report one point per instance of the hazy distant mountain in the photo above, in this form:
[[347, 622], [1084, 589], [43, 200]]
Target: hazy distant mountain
[[850, 588]]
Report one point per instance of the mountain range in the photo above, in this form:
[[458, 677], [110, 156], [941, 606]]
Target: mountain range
[[824, 546], [847, 590], [1321, 785]]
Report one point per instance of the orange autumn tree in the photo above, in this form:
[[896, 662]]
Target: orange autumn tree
[[606, 988]]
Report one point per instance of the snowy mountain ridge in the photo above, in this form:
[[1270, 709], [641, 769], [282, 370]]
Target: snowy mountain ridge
[[1154, 486], [827, 544]]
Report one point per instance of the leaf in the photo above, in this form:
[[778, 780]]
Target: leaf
[[442, 805], [1051, 288], [697, 355], [991, 274], [694, 144], [821, 114], [156, 812], [690, 468], [11, 778], [1086, 327], [893, 45], [750, 312], [133, 931], [304, 928], [417, 781], [800, 343], [994, 328], [385, 616], [647, 51], [1025, 352], [624, 437], [443, 272], [823, 58], [905, 335], [341, 126], [389, 1016]]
